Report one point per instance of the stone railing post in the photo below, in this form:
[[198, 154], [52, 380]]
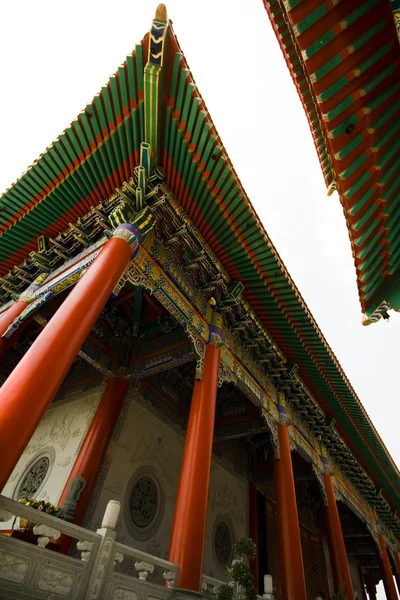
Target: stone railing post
[[105, 558]]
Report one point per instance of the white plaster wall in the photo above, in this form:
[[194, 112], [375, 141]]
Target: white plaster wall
[[146, 441], [62, 429]]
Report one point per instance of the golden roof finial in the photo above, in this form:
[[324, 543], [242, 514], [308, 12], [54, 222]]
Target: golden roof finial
[[161, 12]]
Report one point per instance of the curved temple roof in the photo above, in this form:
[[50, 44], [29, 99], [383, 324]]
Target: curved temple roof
[[99, 151], [344, 58]]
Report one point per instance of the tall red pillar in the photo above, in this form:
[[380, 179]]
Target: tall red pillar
[[15, 310], [293, 579], [30, 388], [189, 526], [334, 559], [387, 575], [371, 589], [95, 444], [339, 555], [253, 531]]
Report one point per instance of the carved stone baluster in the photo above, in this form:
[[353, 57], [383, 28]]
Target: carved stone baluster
[[144, 569], [45, 534], [118, 558], [170, 579], [85, 548]]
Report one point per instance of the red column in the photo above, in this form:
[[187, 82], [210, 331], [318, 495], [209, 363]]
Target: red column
[[189, 526], [15, 310], [334, 559], [95, 444], [339, 555], [30, 388], [284, 533], [371, 589], [10, 314], [387, 575], [293, 579], [253, 531], [5, 321]]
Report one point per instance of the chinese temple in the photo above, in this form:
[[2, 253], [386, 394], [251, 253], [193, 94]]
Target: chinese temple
[[344, 58], [162, 379]]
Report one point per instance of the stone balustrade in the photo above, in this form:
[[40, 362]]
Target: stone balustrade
[[34, 571], [100, 568], [104, 569]]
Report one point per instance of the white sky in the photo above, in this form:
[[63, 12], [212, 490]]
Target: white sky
[[55, 56]]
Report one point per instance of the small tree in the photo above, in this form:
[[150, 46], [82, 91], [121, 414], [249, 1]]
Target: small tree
[[242, 586]]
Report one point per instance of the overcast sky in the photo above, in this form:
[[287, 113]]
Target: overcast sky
[[55, 56]]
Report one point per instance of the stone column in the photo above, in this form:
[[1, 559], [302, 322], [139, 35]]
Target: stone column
[[189, 526], [339, 555], [292, 569], [28, 391], [387, 574], [94, 446]]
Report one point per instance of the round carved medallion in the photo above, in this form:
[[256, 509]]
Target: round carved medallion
[[223, 543], [33, 478], [143, 502]]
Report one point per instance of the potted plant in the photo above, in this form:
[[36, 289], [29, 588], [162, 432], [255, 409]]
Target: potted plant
[[241, 586], [40, 505], [32, 533]]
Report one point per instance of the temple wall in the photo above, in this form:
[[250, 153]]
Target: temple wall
[[58, 437], [147, 446]]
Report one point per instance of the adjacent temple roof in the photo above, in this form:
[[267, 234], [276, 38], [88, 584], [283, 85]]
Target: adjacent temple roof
[[344, 58], [100, 150]]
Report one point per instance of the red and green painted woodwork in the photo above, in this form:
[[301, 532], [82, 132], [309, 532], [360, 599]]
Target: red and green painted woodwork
[[99, 153], [154, 80], [199, 174], [396, 15], [344, 58]]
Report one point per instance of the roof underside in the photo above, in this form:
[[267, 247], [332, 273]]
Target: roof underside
[[344, 58], [99, 152]]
